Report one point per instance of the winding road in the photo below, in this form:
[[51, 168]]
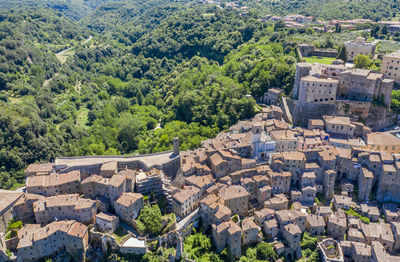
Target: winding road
[[69, 49]]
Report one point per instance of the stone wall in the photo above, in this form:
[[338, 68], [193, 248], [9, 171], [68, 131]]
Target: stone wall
[[325, 53], [169, 167], [376, 117], [310, 50]]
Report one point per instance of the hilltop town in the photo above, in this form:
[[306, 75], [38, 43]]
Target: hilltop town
[[331, 176]]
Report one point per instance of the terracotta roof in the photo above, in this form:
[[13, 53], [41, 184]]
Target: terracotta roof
[[105, 216], [321, 80], [382, 139], [7, 199], [127, 199], [39, 168], [222, 211], [248, 224], [128, 174], [232, 192], [209, 199], [337, 120], [282, 135], [109, 166], [77, 230], [315, 220], [199, 181], [184, 194], [116, 180], [216, 159], [292, 228]]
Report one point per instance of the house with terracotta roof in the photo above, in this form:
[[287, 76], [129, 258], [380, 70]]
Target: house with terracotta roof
[[185, 200], [65, 207], [106, 222], [339, 125], [39, 169], [54, 183], [7, 202], [40, 242], [315, 225], [128, 206], [250, 232], [236, 198], [227, 234], [109, 169]]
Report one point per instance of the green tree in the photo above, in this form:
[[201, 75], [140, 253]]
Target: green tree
[[150, 216], [362, 61], [342, 53], [279, 25], [265, 252]]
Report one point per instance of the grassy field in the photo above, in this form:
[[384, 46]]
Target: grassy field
[[321, 60], [82, 118]]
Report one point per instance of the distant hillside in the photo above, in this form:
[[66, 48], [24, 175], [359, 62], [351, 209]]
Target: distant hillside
[[331, 9], [75, 9]]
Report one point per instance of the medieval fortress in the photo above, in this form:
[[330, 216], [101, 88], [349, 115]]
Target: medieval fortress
[[340, 89]]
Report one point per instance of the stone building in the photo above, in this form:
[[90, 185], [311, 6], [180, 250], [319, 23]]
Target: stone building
[[280, 182], [364, 85], [7, 201], [110, 188], [329, 183], [54, 183], [236, 198], [186, 200], [272, 96], [106, 222], [39, 169], [314, 90], [391, 66], [271, 228], [285, 140], [227, 234], [285, 217], [337, 226], [41, 242], [212, 212], [359, 47], [250, 232], [23, 208], [365, 181], [109, 169], [128, 206], [315, 225], [292, 234], [339, 125], [65, 207]]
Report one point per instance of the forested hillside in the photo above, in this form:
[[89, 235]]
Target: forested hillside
[[95, 77], [332, 9]]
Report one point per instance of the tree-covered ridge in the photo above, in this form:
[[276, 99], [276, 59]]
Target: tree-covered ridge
[[207, 32], [130, 18], [331, 9], [74, 9], [28, 41]]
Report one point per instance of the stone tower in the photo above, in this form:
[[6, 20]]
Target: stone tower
[[302, 70], [176, 144]]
